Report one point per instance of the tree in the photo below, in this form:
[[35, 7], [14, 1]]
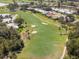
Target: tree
[[40, 1], [66, 19], [12, 7], [19, 21], [14, 2], [73, 42], [77, 11], [59, 3], [10, 41], [72, 4], [24, 7]]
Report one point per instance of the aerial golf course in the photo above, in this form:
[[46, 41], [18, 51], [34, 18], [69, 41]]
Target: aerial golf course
[[39, 29], [46, 43]]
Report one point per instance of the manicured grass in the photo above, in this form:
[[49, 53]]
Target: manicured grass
[[46, 44]]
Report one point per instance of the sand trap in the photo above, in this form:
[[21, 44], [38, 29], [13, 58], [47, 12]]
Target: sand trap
[[34, 32], [44, 23], [33, 26]]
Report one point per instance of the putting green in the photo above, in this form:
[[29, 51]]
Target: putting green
[[46, 43]]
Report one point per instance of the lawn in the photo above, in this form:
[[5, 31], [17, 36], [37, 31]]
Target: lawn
[[46, 43]]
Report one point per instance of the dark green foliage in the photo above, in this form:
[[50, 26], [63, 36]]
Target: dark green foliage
[[19, 21], [72, 4], [73, 43], [40, 1], [24, 7], [73, 48], [32, 3], [72, 18], [66, 57], [67, 19], [73, 35], [77, 11], [10, 41], [12, 7]]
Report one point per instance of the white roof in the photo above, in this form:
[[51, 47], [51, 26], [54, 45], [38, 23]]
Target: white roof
[[3, 4], [21, 3], [40, 10], [4, 14], [12, 25], [6, 20], [67, 11]]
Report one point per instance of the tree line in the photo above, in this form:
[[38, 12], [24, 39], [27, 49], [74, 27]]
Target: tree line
[[10, 42]]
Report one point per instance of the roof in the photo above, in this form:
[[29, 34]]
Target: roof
[[12, 25], [23, 3], [9, 21], [3, 4], [67, 11], [4, 14], [6, 20], [40, 10]]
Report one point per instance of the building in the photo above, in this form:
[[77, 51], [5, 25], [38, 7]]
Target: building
[[9, 20], [23, 3]]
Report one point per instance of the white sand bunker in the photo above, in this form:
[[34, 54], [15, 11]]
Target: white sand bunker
[[44, 23], [34, 32], [33, 26]]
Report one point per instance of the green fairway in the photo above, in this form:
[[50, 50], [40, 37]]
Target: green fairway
[[46, 43]]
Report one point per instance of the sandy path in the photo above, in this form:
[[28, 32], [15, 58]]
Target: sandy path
[[64, 51]]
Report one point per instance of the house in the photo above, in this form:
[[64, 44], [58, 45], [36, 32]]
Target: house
[[49, 14], [66, 19], [23, 3], [64, 11], [14, 25], [8, 19]]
